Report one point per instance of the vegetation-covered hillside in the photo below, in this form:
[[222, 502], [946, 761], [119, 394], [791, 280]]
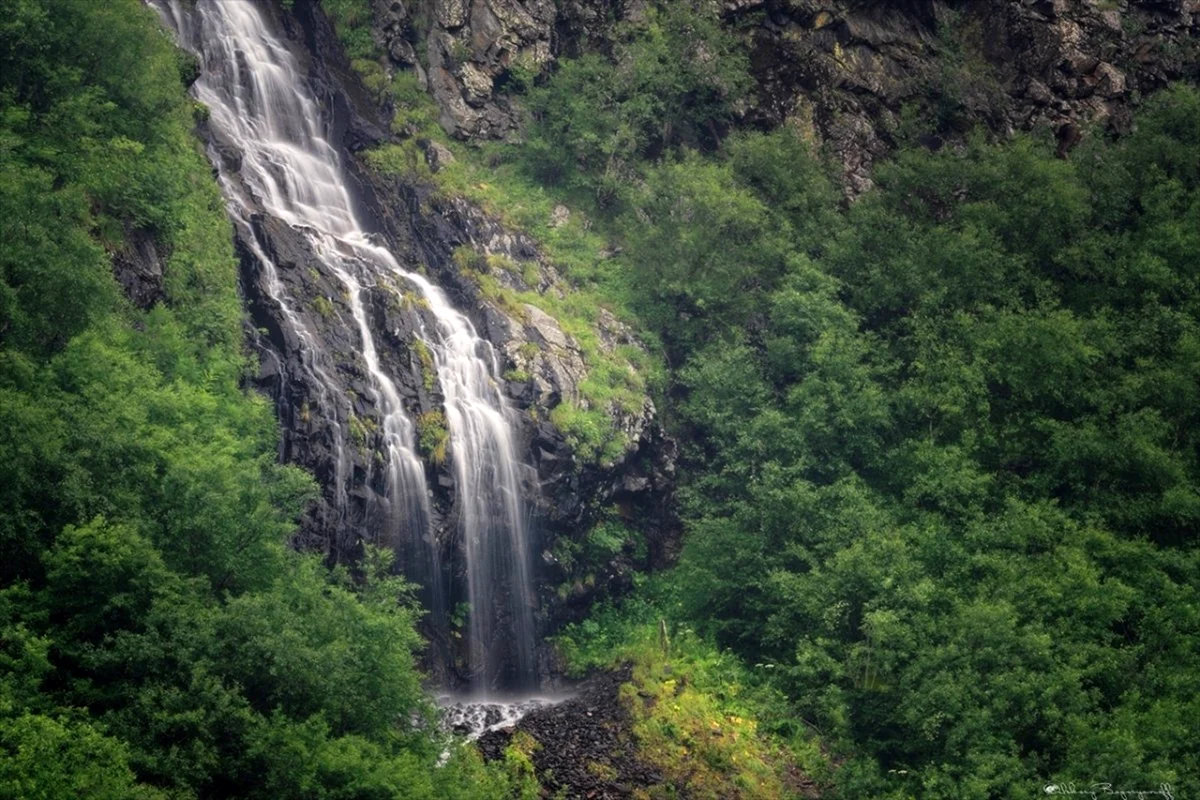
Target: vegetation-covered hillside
[[941, 484], [939, 472]]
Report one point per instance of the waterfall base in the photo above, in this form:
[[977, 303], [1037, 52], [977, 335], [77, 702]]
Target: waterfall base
[[475, 717]]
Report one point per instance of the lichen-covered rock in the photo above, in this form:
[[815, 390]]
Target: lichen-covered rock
[[469, 49]]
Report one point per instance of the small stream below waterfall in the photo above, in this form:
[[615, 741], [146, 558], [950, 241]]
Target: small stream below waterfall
[[262, 104]]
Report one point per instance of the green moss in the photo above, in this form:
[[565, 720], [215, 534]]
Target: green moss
[[362, 429], [322, 306], [425, 359]]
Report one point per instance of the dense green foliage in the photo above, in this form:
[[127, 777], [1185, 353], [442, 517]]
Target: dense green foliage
[[672, 80], [157, 638], [699, 714], [943, 450], [940, 449]]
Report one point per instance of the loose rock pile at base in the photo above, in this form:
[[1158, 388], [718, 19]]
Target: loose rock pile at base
[[586, 749]]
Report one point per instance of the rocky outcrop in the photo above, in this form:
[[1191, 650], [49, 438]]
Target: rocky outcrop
[[856, 76], [863, 76], [543, 367], [138, 268], [584, 746], [465, 52]]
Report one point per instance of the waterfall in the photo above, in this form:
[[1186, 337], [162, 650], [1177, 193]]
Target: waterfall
[[261, 102]]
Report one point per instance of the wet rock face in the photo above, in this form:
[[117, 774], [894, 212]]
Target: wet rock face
[[337, 434], [543, 366]]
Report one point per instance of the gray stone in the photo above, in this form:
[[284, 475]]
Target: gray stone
[[437, 156], [560, 216]]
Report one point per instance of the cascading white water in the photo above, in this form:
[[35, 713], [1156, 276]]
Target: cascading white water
[[490, 503], [251, 85], [260, 101]]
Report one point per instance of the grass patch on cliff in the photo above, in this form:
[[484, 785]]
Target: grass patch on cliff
[[432, 436], [352, 21]]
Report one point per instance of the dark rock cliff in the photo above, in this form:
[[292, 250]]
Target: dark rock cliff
[[856, 75], [861, 76]]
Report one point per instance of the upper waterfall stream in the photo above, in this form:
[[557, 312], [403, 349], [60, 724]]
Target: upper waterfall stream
[[262, 103]]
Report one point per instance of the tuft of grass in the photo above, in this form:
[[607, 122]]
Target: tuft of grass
[[323, 306], [425, 359], [497, 262], [362, 429], [516, 375], [432, 436], [531, 273]]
